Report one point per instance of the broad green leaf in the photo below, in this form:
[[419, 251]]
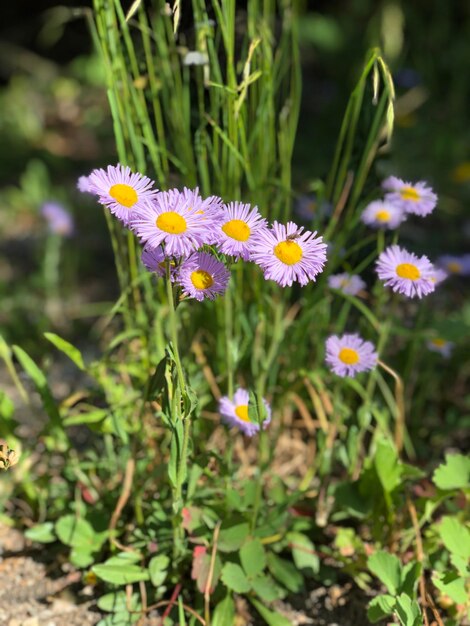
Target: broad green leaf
[[454, 473], [409, 577], [253, 557], [224, 612], [75, 532], [234, 578], [67, 348], [272, 618], [380, 607], [81, 558], [116, 602], [303, 552], [265, 588], [123, 618], [408, 611], [120, 574], [387, 568], [285, 572], [452, 585], [92, 417], [158, 567], [455, 536], [42, 533], [232, 538], [388, 466]]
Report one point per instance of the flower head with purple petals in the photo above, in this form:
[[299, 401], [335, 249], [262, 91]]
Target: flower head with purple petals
[[417, 198], [203, 276], [154, 260], [405, 272], [349, 354], [287, 253], [459, 265], [209, 210], [349, 284], [59, 220], [235, 412], [383, 214], [438, 344], [439, 276], [121, 190], [172, 220], [238, 227], [83, 184]]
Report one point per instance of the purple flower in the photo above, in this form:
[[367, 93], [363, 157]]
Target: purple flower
[[382, 214], [350, 284], [235, 412], [286, 254], [455, 264], [83, 184], [307, 207], [417, 198], [405, 272], [236, 230], [444, 347], [439, 276], [349, 355], [203, 276], [209, 209], [59, 220], [172, 220], [154, 260], [120, 190]]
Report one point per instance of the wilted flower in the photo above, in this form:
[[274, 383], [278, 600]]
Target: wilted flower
[[203, 276], [383, 214], [417, 198], [350, 284], [287, 253], [455, 264], [438, 344], [236, 230], [235, 412], [349, 354], [120, 190], [59, 220], [8, 457], [405, 272]]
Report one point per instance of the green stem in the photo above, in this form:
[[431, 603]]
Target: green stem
[[174, 330]]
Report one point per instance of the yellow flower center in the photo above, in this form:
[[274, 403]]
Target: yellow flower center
[[408, 270], [201, 279], [288, 252], [242, 412], [348, 356], [124, 194], [454, 267], [171, 222], [438, 342], [382, 215], [237, 229], [410, 193], [344, 282]]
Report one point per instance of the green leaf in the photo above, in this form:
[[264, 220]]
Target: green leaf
[[387, 568], [75, 532], [120, 574], [409, 577], [234, 578], [265, 587], [92, 417], [408, 611], [253, 557], [224, 612], [158, 567], [380, 607], [116, 602], [67, 348], [454, 473], [42, 533], [81, 558], [272, 618], [455, 536], [452, 585], [232, 538], [388, 466], [303, 552], [286, 573]]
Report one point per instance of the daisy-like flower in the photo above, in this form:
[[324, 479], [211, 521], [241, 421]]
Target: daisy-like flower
[[382, 214], [350, 284], [438, 344], [203, 276], [238, 226], [171, 220], [59, 220], [287, 253], [121, 190], [405, 272], [83, 184], [235, 412], [417, 198], [349, 354], [455, 264], [209, 210], [439, 276], [154, 260]]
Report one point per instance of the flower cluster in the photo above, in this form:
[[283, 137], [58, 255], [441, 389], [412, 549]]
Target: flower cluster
[[182, 232]]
